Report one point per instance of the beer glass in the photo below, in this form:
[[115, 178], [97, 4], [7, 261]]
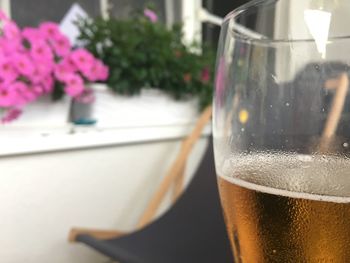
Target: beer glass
[[281, 126]]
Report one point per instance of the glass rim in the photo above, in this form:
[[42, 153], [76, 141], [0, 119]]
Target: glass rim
[[245, 35]]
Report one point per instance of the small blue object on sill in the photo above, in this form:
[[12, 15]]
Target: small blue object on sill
[[85, 122]]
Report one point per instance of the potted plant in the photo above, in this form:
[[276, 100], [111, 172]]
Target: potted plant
[[149, 64], [38, 66]]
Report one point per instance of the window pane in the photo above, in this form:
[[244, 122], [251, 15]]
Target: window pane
[[122, 8], [32, 12]]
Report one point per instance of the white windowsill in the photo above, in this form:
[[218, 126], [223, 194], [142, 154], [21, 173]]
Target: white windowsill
[[20, 142]]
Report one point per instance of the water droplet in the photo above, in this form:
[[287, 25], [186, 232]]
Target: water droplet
[[287, 104], [274, 251], [270, 106], [345, 145], [242, 130], [274, 78]]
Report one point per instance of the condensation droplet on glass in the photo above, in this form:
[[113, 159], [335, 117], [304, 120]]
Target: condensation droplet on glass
[[270, 106], [287, 104], [242, 130], [323, 110], [345, 145], [274, 251], [274, 78]]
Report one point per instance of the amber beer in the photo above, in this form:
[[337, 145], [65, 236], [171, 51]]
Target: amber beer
[[287, 208]]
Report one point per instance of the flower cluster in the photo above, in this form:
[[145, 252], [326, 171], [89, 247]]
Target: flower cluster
[[34, 60]]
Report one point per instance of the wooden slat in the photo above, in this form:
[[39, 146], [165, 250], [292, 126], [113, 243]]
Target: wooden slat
[[341, 85], [175, 169], [178, 185], [97, 233], [175, 174]]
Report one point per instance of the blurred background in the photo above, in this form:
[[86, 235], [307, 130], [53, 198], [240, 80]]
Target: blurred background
[[65, 162]]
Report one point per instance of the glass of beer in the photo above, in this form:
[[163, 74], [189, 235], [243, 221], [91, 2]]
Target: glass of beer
[[281, 125]]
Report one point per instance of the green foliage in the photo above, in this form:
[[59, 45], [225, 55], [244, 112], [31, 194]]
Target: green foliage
[[143, 54]]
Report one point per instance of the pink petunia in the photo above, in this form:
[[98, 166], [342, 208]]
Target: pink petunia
[[38, 89], [3, 16], [8, 46], [11, 31], [74, 85], [11, 115], [41, 71], [64, 67], [205, 75], [7, 97], [103, 71], [24, 95], [48, 84], [98, 71], [220, 80], [151, 15], [61, 45], [7, 70], [86, 97], [32, 34], [83, 60], [49, 29], [23, 64], [41, 51]]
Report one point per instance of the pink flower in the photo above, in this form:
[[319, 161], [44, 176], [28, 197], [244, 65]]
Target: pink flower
[[41, 71], [7, 71], [74, 85], [61, 45], [205, 75], [66, 66], [3, 16], [47, 84], [38, 89], [220, 80], [23, 64], [7, 97], [40, 51], [98, 71], [151, 15], [49, 29], [23, 93], [103, 71], [83, 60], [86, 97], [11, 115], [11, 31], [32, 34], [8, 46]]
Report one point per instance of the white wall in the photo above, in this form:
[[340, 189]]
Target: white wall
[[290, 24], [44, 194]]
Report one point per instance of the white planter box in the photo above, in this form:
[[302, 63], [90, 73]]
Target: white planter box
[[44, 113], [150, 108]]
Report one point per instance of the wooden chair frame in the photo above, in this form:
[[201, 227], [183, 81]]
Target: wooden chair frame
[[174, 177]]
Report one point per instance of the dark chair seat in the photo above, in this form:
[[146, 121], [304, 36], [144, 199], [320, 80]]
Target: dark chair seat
[[191, 231]]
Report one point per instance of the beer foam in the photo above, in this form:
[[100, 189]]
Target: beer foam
[[320, 178]]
